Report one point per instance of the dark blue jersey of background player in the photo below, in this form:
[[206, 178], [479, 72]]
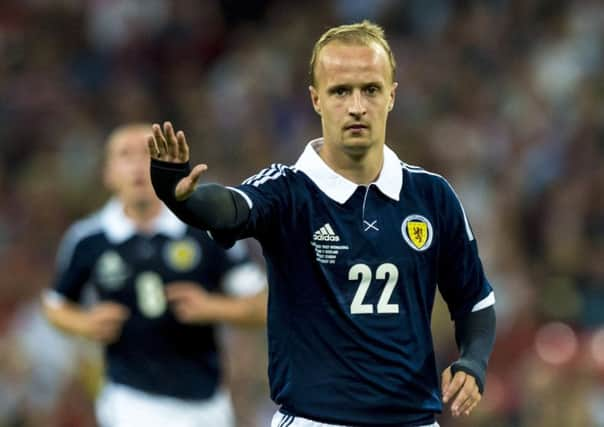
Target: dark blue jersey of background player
[[356, 244], [158, 287], [155, 351]]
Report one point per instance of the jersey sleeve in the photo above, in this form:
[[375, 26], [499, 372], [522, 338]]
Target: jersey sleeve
[[72, 266], [241, 276], [461, 278], [267, 195]]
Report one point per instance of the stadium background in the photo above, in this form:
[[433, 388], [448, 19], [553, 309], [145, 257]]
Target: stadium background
[[504, 97]]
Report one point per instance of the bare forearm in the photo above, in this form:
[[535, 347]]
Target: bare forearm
[[102, 322], [245, 311], [67, 317]]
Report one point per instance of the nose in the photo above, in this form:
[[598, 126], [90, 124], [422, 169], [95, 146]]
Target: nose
[[357, 107]]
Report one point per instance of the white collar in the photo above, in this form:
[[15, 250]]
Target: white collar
[[341, 189], [119, 227]]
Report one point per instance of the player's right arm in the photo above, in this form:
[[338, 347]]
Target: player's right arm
[[61, 304], [102, 322], [207, 206]]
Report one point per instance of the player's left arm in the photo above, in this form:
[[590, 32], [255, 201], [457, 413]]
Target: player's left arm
[[193, 304], [470, 298], [463, 381]]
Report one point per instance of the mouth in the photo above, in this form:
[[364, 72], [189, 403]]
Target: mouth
[[356, 127]]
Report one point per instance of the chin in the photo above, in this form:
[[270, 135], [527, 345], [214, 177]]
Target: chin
[[356, 150], [354, 143], [142, 198]]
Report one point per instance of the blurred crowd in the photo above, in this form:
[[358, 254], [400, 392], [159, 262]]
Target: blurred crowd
[[505, 98]]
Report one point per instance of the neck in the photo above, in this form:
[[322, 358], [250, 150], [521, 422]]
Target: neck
[[142, 212], [362, 168]]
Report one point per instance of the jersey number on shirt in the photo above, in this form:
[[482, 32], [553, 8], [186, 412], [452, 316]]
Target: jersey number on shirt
[[363, 273], [150, 294]]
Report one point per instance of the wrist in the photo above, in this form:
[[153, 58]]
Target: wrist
[[473, 368]]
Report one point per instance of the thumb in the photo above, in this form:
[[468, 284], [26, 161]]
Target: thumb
[[446, 380], [186, 186], [196, 173]]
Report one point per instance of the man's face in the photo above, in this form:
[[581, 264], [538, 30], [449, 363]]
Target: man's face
[[127, 166], [353, 93]]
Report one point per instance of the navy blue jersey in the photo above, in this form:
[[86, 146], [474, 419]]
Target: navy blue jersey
[[353, 272], [155, 352]]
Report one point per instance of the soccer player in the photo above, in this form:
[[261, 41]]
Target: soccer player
[[157, 284], [356, 243]]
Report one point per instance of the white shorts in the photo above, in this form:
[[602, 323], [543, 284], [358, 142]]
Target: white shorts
[[122, 406], [282, 420]]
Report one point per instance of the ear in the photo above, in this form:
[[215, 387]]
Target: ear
[[392, 96], [314, 97]]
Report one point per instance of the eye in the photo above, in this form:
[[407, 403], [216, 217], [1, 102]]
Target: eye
[[372, 90], [340, 91]]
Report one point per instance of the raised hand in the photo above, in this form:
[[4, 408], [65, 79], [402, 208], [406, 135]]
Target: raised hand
[[169, 146], [463, 388]]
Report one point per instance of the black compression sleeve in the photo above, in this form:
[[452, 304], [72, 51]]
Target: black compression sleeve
[[475, 336], [211, 207]]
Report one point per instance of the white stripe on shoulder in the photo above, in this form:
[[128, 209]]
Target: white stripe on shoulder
[[74, 235], [264, 172], [417, 169], [488, 301], [258, 175], [245, 196], [275, 171], [412, 167]]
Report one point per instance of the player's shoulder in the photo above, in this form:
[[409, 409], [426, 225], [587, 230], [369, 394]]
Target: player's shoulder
[[422, 178], [89, 227], [81, 237], [276, 172]]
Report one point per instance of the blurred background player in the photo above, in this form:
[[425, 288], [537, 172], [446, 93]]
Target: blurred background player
[[155, 284]]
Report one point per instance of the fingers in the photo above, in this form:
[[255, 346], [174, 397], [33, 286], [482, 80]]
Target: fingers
[[108, 335], [473, 405], [160, 141], [446, 382], [107, 328], [111, 311], [454, 384], [465, 390], [470, 403], [184, 313], [196, 173], [167, 145], [183, 147], [179, 291], [189, 302], [172, 144], [182, 306], [153, 149]]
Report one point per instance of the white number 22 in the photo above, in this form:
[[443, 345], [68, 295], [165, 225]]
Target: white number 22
[[363, 272]]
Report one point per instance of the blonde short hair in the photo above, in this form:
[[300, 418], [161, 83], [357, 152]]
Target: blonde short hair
[[363, 33], [118, 132]]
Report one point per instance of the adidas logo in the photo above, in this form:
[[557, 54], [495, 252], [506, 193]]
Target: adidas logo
[[326, 234]]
